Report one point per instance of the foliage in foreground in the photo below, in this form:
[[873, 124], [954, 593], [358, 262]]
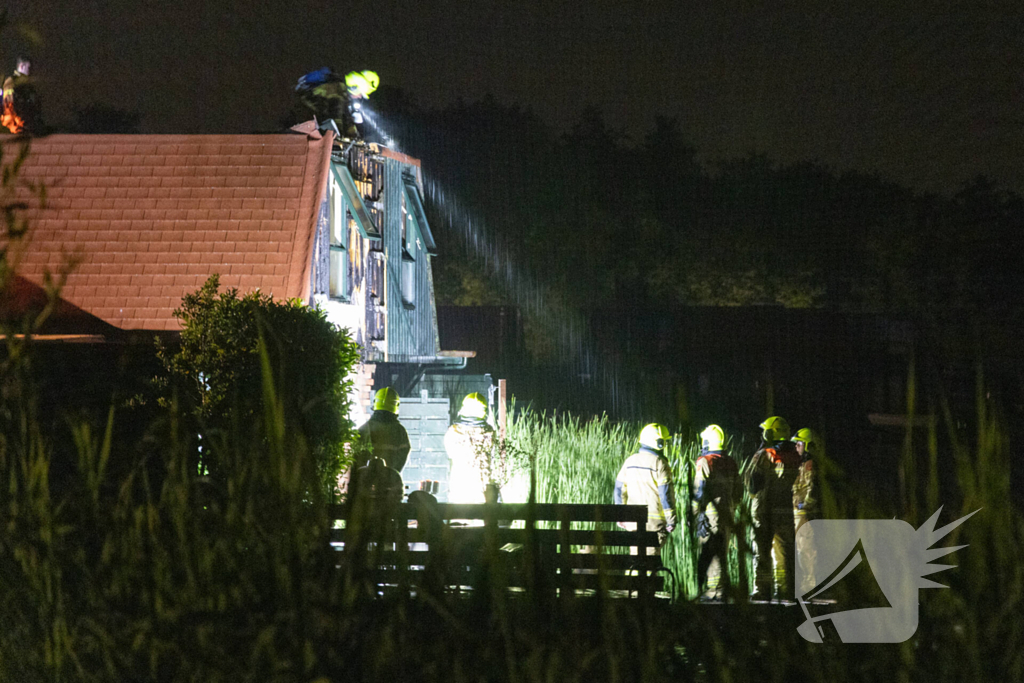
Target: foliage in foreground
[[217, 373], [148, 573], [969, 632]]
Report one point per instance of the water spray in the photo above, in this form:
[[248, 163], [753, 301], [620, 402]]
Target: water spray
[[574, 339]]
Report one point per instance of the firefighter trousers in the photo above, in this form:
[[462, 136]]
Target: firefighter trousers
[[773, 558], [805, 555], [712, 565]]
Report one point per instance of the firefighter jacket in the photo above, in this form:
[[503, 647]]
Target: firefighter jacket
[[388, 437], [470, 446], [646, 479], [769, 481], [714, 482], [20, 111], [805, 491]]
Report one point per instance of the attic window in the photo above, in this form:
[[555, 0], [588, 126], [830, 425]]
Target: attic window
[[339, 220]]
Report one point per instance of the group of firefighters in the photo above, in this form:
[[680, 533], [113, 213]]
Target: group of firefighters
[[780, 481], [468, 441]]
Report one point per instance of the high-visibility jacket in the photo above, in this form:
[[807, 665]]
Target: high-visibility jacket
[[714, 481], [646, 479], [805, 491], [388, 437], [469, 446]]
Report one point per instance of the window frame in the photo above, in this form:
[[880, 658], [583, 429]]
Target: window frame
[[338, 224]]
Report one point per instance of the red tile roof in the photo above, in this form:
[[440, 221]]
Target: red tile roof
[[150, 217]]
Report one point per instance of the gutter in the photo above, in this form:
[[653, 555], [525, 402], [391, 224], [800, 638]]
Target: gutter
[[455, 360]]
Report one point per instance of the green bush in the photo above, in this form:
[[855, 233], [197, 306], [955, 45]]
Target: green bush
[[216, 372]]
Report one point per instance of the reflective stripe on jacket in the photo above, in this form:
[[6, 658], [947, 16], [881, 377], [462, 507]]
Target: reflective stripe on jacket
[[805, 491], [469, 447], [646, 479]]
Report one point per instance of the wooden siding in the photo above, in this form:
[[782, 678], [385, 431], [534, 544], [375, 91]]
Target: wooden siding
[[412, 329], [402, 332]]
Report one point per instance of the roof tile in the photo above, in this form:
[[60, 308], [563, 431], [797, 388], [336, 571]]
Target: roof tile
[[151, 217]]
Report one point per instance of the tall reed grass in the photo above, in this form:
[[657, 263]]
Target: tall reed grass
[[577, 461], [148, 572]]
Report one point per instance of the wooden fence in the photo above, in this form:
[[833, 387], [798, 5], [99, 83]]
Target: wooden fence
[[556, 549]]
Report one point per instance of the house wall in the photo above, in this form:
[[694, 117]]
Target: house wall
[[381, 321], [361, 310], [412, 333]]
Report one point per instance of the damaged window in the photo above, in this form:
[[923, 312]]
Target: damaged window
[[338, 245]]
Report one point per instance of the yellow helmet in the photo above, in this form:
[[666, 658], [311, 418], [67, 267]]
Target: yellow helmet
[[386, 399], [361, 83], [712, 438], [475, 406], [775, 429], [655, 436], [809, 439]]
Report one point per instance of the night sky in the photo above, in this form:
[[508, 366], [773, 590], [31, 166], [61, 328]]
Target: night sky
[[926, 93]]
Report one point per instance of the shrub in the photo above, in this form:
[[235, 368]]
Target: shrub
[[216, 372]]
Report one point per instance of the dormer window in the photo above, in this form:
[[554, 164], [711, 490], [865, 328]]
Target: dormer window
[[338, 231]]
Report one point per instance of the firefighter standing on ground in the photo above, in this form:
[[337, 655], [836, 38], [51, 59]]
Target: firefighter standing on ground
[[805, 504], [711, 504], [646, 479], [769, 481], [384, 432], [470, 446]]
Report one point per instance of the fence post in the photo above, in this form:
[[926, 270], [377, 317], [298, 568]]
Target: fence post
[[565, 587], [402, 548], [502, 407]]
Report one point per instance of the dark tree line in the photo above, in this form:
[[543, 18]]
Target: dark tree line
[[609, 221]]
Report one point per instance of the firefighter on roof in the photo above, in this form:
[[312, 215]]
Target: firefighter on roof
[[711, 502], [361, 84], [646, 479], [20, 112], [769, 480], [329, 96]]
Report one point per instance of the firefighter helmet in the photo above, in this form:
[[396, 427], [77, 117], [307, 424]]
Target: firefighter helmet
[[474, 406], [655, 436], [361, 83], [712, 438], [809, 439], [386, 399], [775, 429]]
